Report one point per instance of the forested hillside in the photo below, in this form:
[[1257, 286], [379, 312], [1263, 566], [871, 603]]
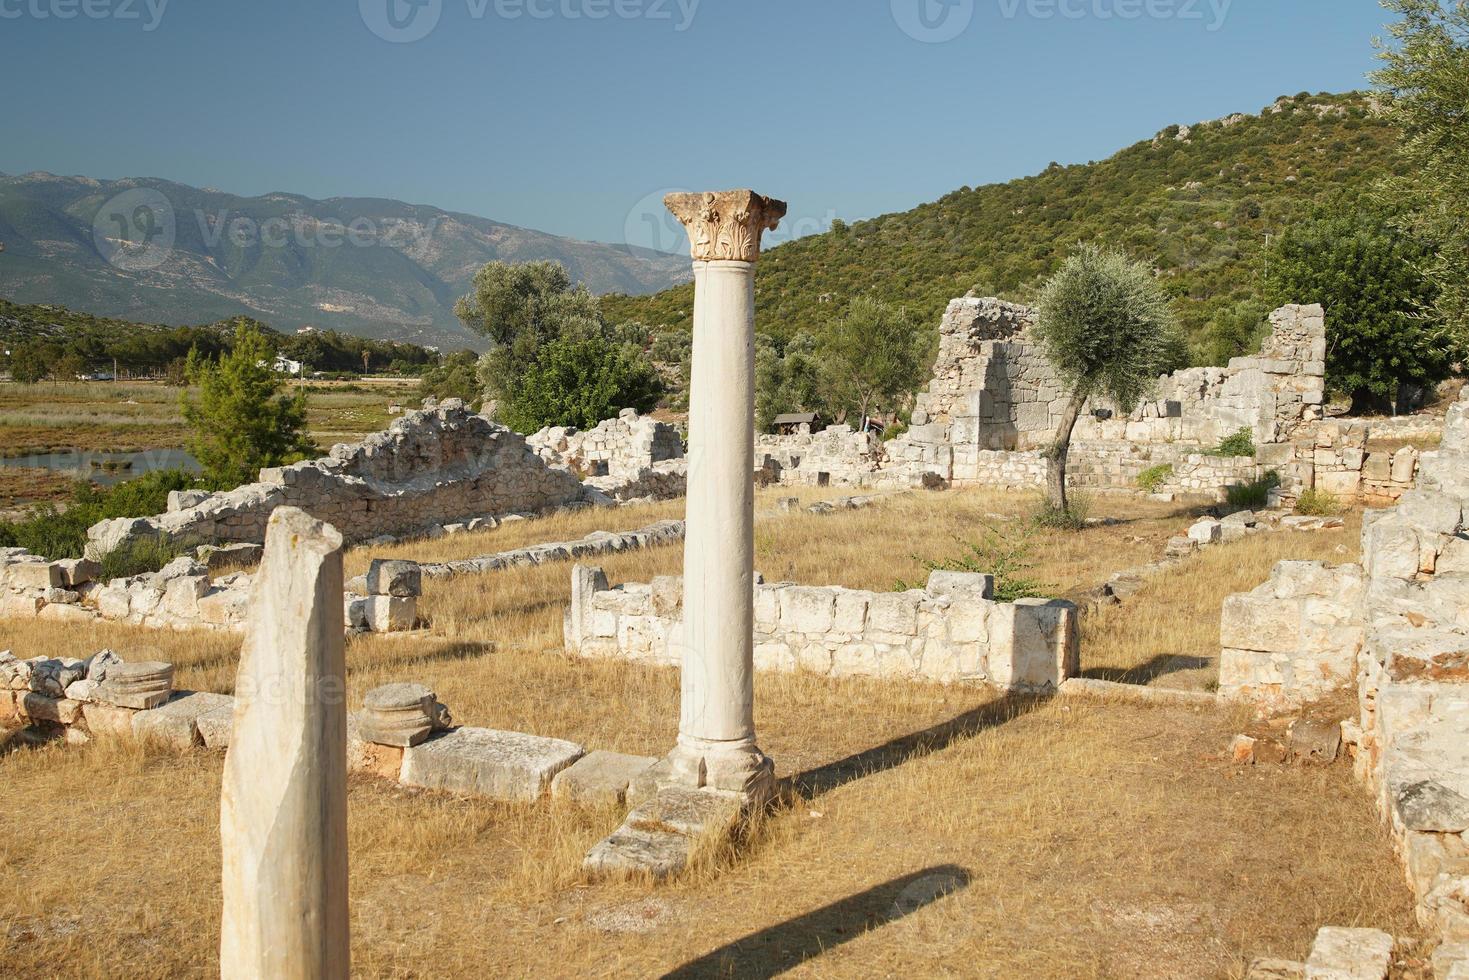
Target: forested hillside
[[1197, 201]]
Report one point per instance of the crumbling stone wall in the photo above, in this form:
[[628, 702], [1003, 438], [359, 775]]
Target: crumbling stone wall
[[431, 467], [628, 458], [951, 631], [1401, 619], [995, 401]]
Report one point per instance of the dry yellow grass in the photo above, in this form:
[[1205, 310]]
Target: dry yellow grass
[[1076, 839]]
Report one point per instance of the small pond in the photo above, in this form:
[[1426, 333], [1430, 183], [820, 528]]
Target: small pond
[[106, 468]]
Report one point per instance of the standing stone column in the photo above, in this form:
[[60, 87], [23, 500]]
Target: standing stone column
[[716, 740], [283, 810]]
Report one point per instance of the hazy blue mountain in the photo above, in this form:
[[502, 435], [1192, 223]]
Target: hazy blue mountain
[[157, 251]]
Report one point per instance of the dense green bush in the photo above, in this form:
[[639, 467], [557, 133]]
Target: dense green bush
[[1252, 496], [1154, 477], [1242, 443], [1318, 503], [580, 383], [62, 533]]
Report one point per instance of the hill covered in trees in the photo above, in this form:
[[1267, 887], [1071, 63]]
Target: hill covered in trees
[[52, 341], [1198, 202]]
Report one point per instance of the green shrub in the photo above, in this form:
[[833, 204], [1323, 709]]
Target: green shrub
[[138, 556], [1008, 556], [55, 533], [1318, 503], [1242, 443], [1045, 513], [1154, 477], [1253, 496]]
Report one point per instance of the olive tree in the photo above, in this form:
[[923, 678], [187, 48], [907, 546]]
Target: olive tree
[[1109, 331]]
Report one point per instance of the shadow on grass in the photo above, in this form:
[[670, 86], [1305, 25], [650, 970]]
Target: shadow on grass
[[893, 753], [1145, 673], [783, 947]]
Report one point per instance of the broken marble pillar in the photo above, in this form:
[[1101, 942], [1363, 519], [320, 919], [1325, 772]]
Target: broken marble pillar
[[283, 809], [139, 685], [399, 715]]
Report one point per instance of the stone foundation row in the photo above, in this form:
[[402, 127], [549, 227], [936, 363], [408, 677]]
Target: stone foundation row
[[656, 535]]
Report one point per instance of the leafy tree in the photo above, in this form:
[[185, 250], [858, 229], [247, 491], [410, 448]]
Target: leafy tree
[[1369, 278], [520, 308], [31, 361], [872, 358], [454, 377], [1425, 92], [242, 421], [580, 383], [554, 360], [1110, 332], [788, 377]]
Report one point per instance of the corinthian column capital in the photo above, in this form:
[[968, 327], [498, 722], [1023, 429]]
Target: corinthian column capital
[[726, 225]]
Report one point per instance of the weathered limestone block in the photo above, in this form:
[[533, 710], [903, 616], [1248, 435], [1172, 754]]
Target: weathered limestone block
[[390, 614], [627, 851], [600, 778], [216, 727], [1350, 954], [966, 584], [403, 579], [493, 764], [176, 723], [39, 707], [283, 809], [34, 575]]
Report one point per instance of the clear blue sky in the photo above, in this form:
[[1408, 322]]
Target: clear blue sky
[[517, 110]]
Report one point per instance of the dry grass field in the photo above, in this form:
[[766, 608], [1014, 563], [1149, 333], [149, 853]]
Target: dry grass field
[[929, 831]]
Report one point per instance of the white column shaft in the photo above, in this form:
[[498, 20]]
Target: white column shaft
[[718, 667]]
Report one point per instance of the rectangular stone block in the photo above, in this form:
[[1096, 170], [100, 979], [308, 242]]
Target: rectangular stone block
[[177, 722], [600, 778], [971, 584], [851, 612], [108, 719], [35, 575], [1350, 954], [1261, 622], [492, 764], [394, 577], [215, 727], [390, 613], [894, 612], [38, 707], [807, 610], [76, 571]]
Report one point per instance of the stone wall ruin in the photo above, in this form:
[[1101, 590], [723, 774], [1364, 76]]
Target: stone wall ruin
[[951, 631], [432, 467]]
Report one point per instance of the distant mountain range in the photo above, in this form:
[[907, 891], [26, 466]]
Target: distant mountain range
[[156, 251]]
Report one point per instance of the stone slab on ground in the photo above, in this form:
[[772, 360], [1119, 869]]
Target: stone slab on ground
[[1349, 954], [600, 778], [488, 763], [177, 722], [1267, 969], [1086, 686], [215, 727], [627, 852], [693, 812], [108, 719]]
